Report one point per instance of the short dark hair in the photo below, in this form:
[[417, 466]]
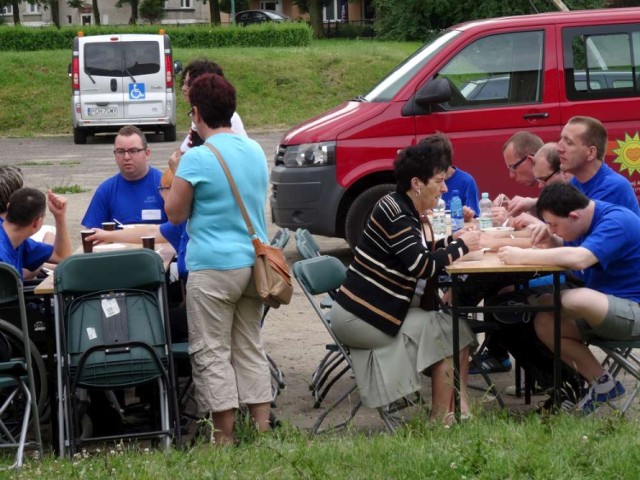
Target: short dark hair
[[25, 205], [10, 181], [423, 160], [129, 130], [198, 67], [440, 140], [215, 98], [560, 199], [595, 134], [524, 143]]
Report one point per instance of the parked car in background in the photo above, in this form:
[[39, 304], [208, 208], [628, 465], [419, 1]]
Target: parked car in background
[[249, 17], [123, 79]]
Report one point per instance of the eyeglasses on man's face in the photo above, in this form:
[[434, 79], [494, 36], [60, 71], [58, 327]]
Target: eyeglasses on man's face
[[544, 180], [514, 166], [162, 189], [121, 152]]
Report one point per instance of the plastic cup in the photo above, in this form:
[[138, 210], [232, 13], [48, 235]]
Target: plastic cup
[[149, 242], [87, 245], [110, 226]]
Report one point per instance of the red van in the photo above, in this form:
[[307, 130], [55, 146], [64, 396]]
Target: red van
[[478, 82]]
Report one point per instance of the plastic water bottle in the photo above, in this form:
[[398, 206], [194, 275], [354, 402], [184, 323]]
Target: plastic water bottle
[[484, 219], [457, 219], [439, 220]]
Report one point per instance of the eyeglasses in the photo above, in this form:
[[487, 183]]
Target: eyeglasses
[[161, 188], [190, 112], [513, 167], [544, 180], [120, 152]]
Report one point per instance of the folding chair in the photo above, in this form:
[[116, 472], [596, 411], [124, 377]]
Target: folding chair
[[318, 276], [621, 356], [17, 386], [306, 245], [112, 332]]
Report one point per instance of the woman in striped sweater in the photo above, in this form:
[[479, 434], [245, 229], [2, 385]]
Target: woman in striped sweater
[[385, 310]]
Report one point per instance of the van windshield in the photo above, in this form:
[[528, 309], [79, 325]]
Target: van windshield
[[121, 59], [392, 83]]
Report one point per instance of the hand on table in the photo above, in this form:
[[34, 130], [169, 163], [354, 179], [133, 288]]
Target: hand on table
[[499, 215], [524, 220], [468, 213], [510, 255], [100, 236], [471, 238], [519, 205]]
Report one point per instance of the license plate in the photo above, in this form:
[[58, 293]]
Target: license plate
[[102, 111]]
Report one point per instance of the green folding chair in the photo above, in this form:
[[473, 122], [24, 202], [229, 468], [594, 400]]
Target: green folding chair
[[112, 333], [319, 276], [18, 401]]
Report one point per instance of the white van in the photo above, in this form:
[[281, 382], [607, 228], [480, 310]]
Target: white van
[[125, 79]]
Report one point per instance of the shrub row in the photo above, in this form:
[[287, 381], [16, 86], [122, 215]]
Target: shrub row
[[290, 34]]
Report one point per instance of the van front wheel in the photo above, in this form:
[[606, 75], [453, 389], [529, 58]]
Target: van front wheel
[[170, 134], [358, 214], [79, 136]]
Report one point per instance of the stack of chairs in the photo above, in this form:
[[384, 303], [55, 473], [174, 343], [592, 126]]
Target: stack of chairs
[[18, 401], [318, 276], [112, 332]]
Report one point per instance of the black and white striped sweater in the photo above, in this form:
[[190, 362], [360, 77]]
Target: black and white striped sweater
[[388, 262]]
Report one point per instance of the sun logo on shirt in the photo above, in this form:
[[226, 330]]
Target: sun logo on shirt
[[628, 153]]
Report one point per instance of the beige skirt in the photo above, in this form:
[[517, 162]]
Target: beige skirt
[[388, 368]]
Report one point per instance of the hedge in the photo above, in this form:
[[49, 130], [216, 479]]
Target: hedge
[[289, 34]]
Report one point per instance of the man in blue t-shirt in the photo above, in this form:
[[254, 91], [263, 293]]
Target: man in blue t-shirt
[[582, 147], [456, 179], [25, 213], [600, 239], [130, 196]]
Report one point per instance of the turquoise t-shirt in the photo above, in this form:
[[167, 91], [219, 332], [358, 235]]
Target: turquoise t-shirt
[[218, 236]]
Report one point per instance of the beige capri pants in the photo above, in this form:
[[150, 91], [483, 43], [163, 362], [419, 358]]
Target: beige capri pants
[[229, 366]]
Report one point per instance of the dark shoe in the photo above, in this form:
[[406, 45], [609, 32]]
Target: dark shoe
[[491, 365]]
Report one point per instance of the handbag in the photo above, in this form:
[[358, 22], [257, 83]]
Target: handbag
[[270, 270]]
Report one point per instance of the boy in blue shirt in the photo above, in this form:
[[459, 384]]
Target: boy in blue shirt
[[600, 239]]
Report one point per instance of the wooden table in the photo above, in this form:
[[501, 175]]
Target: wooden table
[[491, 264], [165, 250]]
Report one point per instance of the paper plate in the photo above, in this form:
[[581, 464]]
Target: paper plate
[[109, 246]]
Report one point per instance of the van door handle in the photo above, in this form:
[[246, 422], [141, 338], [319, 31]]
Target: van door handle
[[114, 85], [531, 116]]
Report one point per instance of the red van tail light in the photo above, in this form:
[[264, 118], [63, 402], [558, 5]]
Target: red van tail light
[[168, 70], [75, 73]]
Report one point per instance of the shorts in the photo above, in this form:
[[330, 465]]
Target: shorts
[[622, 322]]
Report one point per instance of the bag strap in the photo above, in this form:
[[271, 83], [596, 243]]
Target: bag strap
[[234, 189]]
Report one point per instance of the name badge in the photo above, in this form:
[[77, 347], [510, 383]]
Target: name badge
[[151, 214]]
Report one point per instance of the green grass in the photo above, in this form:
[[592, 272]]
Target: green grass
[[62, 189], [277, 87], [493, 446]]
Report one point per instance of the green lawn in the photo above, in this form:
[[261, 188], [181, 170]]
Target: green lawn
[[491, 447], [277, 87]]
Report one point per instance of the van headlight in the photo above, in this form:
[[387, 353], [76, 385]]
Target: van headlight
[[310, 154]]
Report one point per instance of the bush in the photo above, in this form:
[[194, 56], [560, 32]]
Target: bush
[[286, 34]]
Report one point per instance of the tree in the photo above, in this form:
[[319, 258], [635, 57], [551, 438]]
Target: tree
[[55, 12], [96, 12], [133, 19], [314, 9], [214, 11], [239, 6], [152, 10]]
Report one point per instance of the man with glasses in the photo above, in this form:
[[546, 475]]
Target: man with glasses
[[582, 147], [131, 196], [518, 152]]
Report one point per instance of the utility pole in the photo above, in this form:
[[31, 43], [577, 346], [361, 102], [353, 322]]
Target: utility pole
[[233, 11], [561, 6]]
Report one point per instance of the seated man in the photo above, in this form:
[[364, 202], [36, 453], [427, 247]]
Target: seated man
[[131, 196], [25, 213], [601, 239]]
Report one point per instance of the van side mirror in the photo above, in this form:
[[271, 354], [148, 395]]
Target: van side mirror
[[177, 67], [436, 91]]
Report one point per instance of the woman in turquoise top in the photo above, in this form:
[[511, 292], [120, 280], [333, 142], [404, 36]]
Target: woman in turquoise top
[[223, 308]]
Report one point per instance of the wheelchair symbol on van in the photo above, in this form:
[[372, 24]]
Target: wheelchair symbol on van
[[137, 91]]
